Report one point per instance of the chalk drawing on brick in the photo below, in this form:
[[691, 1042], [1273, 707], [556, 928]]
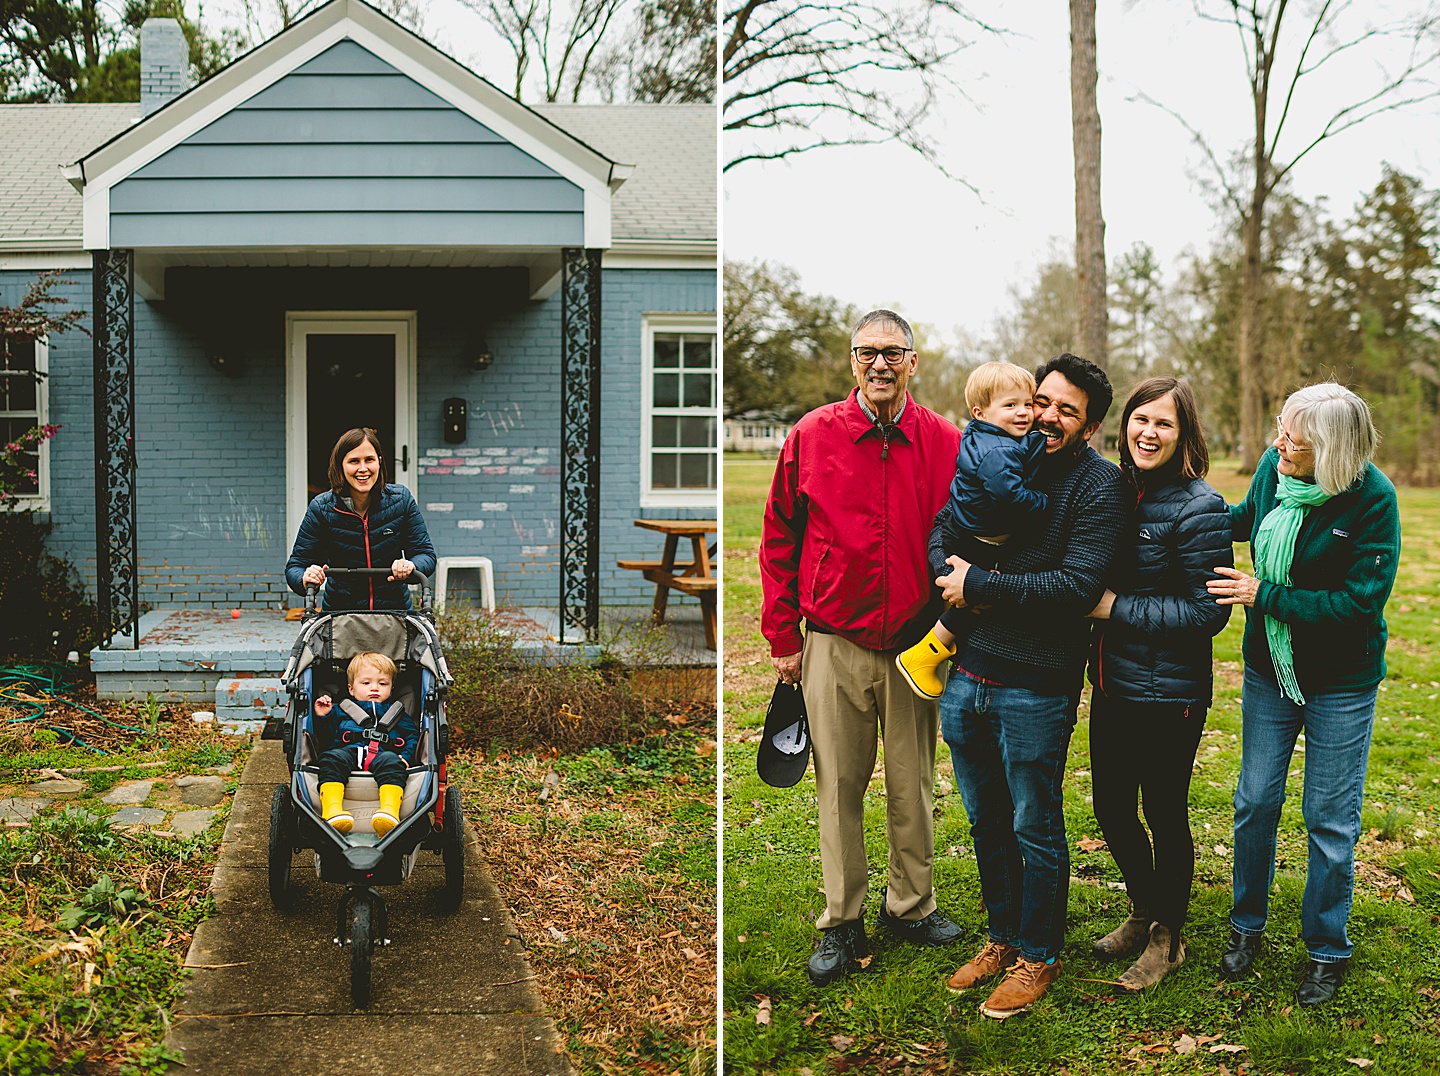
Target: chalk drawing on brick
[[471, 524], [494, 506], [522, 489], [440, 506]]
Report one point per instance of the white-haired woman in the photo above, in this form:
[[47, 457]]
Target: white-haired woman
[[1324, 530]]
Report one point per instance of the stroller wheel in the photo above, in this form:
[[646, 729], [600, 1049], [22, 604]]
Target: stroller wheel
[[362, 950], [282, 829], [452, 848]]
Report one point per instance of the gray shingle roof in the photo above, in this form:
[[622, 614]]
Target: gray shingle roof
[[669, 196], [38, 208]]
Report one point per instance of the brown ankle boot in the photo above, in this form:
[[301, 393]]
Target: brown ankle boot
[[994, 958], [1154, 963], [1125, 940]]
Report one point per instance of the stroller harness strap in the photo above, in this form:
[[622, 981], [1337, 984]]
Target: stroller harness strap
[[373, 728]]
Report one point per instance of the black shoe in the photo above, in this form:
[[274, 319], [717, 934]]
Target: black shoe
[[1239, 954], [839, 947], [1321, 981], [934, 929]]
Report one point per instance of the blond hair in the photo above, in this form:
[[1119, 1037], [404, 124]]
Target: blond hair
[[370, 659], [989, 379], [1341, 433]]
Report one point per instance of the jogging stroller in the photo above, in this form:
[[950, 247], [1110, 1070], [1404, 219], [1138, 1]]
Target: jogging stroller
[[430, 815]]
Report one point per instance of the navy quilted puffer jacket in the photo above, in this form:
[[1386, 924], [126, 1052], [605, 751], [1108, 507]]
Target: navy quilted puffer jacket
[[1156, 646], [332, 533]]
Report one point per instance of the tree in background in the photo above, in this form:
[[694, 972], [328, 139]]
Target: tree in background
[[1093, 328], [556, 43], [802, 75], [668, 56], [1331, 35], [72, 51]]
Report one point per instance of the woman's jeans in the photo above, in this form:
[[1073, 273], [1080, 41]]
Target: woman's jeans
[[1008, 747], [1146, 751], [1337, 727]]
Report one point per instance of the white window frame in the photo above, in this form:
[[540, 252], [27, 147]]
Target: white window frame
[[652, 323], [38, 502]]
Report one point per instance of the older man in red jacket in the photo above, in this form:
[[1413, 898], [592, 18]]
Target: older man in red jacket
[[856, 491]]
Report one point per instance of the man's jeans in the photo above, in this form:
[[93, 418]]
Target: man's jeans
[[1337, 726], [1008, 747]]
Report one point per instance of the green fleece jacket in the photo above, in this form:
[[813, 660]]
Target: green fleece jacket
[[1345, 560]]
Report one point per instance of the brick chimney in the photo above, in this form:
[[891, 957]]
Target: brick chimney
[[164, 63]]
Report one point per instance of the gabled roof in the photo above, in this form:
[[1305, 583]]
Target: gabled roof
[[672, 193], [101, 169], [38, 209]]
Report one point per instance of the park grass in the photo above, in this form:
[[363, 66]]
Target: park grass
[[896, 1016]]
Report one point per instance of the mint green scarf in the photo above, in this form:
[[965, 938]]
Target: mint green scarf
[[1274, 553]]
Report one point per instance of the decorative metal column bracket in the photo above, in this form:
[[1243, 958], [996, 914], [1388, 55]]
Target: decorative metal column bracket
[[117, 564], [579, 445]]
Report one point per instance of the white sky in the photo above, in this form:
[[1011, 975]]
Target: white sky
[[878, 226]]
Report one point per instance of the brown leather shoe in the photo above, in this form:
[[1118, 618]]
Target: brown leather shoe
[[994, 958], [1024, 984], [1129, 938], [1154, 963]]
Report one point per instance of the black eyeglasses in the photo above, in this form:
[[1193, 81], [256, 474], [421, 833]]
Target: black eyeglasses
[[893, 356]]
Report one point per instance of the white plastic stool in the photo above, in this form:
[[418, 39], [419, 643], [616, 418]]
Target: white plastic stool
[[443, 567]]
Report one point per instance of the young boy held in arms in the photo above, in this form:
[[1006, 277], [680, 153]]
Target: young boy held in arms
[[989, 500]]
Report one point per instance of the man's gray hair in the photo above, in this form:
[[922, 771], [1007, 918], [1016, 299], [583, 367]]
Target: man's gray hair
[[1341, 433], [890, 317]]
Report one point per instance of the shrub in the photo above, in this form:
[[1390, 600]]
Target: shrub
[[499, 696], [43, 605]]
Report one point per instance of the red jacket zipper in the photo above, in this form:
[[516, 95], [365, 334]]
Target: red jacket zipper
[[365, 523]]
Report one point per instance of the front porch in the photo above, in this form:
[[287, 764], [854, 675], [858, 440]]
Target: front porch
[[232, 666]]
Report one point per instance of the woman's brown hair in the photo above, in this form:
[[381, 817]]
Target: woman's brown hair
[[1193, 453], [349, 441]]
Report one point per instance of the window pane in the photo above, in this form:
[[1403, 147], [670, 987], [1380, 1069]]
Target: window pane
[[697, 432], [667, 390], [10, 429], [699, 351], [699, 390], [697, 471], [664, 470], [667, 349], [663, 431]]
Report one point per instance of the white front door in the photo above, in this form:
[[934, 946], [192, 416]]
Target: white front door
[[345, 370]]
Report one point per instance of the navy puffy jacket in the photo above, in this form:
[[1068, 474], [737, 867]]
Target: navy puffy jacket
[[332, 533], [1156, 646], [991, 493]]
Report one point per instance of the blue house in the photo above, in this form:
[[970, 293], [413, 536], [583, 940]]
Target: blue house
[[346, 227]]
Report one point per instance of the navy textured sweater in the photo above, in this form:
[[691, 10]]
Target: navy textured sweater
[[1035, 634]]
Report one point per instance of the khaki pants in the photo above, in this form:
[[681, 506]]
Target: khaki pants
[[850, 693]]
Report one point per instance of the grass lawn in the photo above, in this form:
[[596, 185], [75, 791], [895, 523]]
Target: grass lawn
[[897, 1016]]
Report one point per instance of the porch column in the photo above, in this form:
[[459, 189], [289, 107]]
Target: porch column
[[579, 445], [117, 565]]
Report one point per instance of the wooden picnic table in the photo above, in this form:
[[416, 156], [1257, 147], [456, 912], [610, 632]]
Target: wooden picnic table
[[695, 577]]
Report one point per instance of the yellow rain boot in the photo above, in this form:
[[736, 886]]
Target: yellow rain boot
[[388, 816], [332, 797], [918, 665]]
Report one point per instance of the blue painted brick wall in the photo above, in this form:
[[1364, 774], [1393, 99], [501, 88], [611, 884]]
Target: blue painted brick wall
[[211, 447]]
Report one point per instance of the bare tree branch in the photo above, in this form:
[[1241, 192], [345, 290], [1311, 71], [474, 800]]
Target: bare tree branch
[[1231, 195]]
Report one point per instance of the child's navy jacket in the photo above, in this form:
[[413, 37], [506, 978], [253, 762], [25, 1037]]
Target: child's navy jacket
[[403, 732], [990, 495]]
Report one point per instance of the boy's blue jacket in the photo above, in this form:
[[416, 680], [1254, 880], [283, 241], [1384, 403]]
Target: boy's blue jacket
[[347, 732], [990, 494]]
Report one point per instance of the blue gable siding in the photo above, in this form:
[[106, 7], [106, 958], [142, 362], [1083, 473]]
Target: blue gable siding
[[211, 448], [345, 150]]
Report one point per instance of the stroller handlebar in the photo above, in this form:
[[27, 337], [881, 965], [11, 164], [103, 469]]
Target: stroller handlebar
[[415, 578]]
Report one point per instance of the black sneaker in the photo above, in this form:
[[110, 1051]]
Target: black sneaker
[[838, 948], [934, 929], [1240, 954], [1322, 979]]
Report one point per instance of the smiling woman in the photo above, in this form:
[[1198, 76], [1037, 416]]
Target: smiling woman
[[361, 522]]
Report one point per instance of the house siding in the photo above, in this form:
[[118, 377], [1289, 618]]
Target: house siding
[[211, 447], [345, 150]]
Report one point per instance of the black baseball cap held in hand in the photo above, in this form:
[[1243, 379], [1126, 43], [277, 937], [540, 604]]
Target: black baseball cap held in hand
[[785, 745]]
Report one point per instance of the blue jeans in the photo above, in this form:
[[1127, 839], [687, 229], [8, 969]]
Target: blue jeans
[[1008, 747], [1337, 726]]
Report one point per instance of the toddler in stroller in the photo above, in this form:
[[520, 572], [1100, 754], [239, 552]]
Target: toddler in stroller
[[368, 735]]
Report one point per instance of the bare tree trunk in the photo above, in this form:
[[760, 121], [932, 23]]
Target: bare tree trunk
[[1094, 316]]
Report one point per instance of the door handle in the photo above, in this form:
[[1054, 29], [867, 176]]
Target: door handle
[[404, 457]]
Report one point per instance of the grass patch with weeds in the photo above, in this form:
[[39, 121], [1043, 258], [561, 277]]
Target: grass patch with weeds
[[95, 922], [897, 1016], [611, 879]]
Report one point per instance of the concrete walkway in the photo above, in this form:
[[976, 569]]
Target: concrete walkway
[[270, 992]]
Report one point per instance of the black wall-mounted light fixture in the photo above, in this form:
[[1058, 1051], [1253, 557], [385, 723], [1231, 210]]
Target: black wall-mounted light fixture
[[223, 363], [480, 357]]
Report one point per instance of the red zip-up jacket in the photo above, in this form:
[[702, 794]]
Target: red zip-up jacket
[[844, 539]]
